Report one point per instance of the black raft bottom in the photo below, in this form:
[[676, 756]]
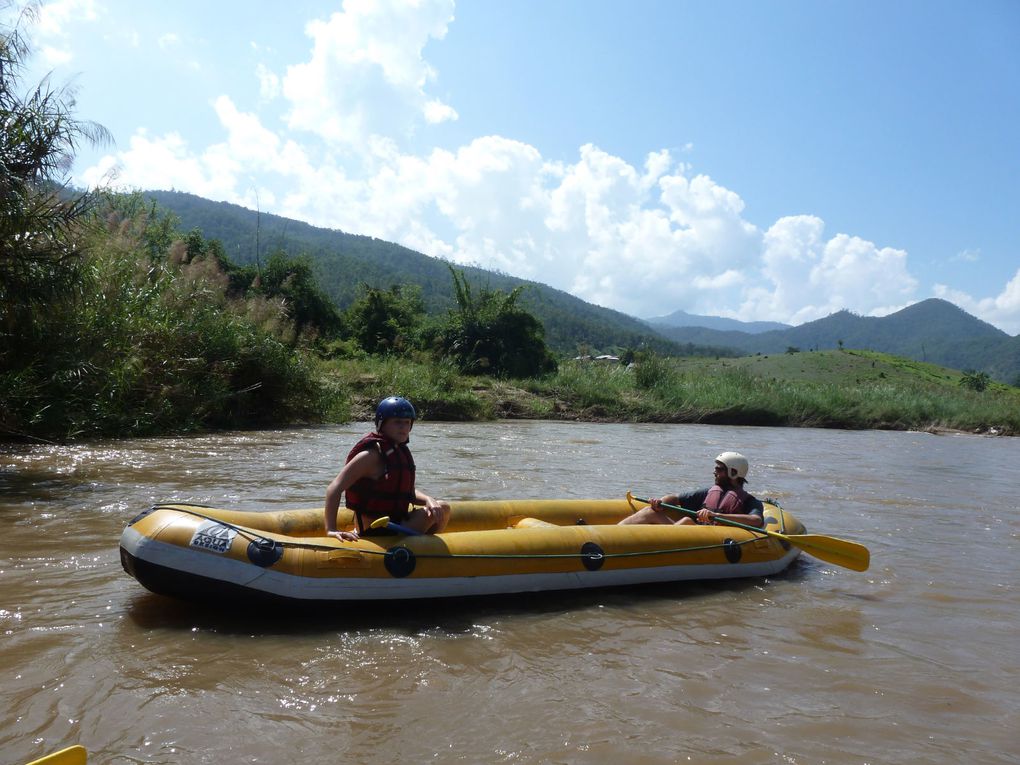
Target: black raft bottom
[[223, 597], [185, 585]]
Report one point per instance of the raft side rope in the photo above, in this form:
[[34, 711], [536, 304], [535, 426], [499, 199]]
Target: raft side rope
[[257, 538]]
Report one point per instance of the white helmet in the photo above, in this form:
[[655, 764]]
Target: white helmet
[[735, 463]]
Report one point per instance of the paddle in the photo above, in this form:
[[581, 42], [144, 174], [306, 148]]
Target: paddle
[[385, 522], [73, 755], [847, 554]]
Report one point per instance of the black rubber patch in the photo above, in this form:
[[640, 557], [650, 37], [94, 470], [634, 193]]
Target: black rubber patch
[[264, 552], [592, 556], [733, 551], [399, 561]]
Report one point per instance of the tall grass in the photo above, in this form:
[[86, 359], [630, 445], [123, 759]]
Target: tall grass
[[145, 346], [735, 396], [436, 388]]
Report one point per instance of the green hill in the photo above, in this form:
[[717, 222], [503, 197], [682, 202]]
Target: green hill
[[343, 262], [933, 330]]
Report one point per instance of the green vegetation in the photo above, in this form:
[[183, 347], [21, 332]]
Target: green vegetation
[[490, 333], [148, 345], [849, 389], [111, 323], [976, 381], [114, 323]]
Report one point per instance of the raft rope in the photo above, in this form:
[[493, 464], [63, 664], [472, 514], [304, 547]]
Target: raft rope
[[259, 539]]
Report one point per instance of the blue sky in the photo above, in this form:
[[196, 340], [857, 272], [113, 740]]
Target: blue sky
[[742, 158]]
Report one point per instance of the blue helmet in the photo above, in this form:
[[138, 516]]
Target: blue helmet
[[394, 406]]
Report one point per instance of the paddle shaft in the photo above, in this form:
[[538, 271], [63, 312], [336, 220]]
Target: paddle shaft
[[694, 514], [848, 554]]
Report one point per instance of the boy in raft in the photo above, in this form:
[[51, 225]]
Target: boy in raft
[[725, 499], [378, 478]]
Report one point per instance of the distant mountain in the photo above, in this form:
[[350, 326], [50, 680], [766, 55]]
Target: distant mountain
[[933, 330], [684, 319], [343, 262]]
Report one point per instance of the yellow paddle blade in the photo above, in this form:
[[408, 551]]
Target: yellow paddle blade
[[73, 755], [850, 555], [379, 523]]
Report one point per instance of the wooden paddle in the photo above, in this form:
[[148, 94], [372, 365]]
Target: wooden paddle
[[847, 554], [385, 522]]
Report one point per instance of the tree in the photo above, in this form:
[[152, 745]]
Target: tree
[[976, 381], [383, 321], [294, 280], [40, 215], [490, 334]]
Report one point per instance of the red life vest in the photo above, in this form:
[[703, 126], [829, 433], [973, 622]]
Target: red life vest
[[727, 502], [393, 492]]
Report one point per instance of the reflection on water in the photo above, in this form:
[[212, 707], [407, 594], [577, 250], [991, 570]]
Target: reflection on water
[[914, 661]]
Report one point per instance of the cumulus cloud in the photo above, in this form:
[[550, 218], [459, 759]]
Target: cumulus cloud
[[1002, 310], [645, 239], [805, 276], [366, 72]]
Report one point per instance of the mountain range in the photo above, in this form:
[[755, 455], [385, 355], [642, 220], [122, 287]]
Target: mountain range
[[932, 330], [681, 318]]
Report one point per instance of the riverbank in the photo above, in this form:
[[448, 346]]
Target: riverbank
[[827, 389], [854, 390]]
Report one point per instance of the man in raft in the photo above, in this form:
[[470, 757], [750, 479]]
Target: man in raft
[[378, 479], [725, 499]]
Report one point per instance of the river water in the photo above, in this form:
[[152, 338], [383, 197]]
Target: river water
[[915, 661]]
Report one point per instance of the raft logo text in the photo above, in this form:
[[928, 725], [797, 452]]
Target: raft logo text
[[213, 536]]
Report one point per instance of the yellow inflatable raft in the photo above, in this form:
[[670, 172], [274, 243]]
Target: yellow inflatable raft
[[489, 548]]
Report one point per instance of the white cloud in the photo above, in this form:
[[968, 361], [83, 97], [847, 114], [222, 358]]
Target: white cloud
[[643, 239], [167, 163], [806, 277], [1003, 310], [55, 16], [366, 73], [967, 256], [50, 26], [53, 57], [168, 40], [269, 82], [436, 112], [639, 240]]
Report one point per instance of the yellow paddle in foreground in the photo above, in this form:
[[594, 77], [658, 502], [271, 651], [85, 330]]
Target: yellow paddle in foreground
[[73, 755], [847, 554]]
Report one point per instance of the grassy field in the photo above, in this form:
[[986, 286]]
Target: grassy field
[[838, 389]]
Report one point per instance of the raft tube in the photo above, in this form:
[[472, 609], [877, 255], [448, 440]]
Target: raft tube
[[489, 548]]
